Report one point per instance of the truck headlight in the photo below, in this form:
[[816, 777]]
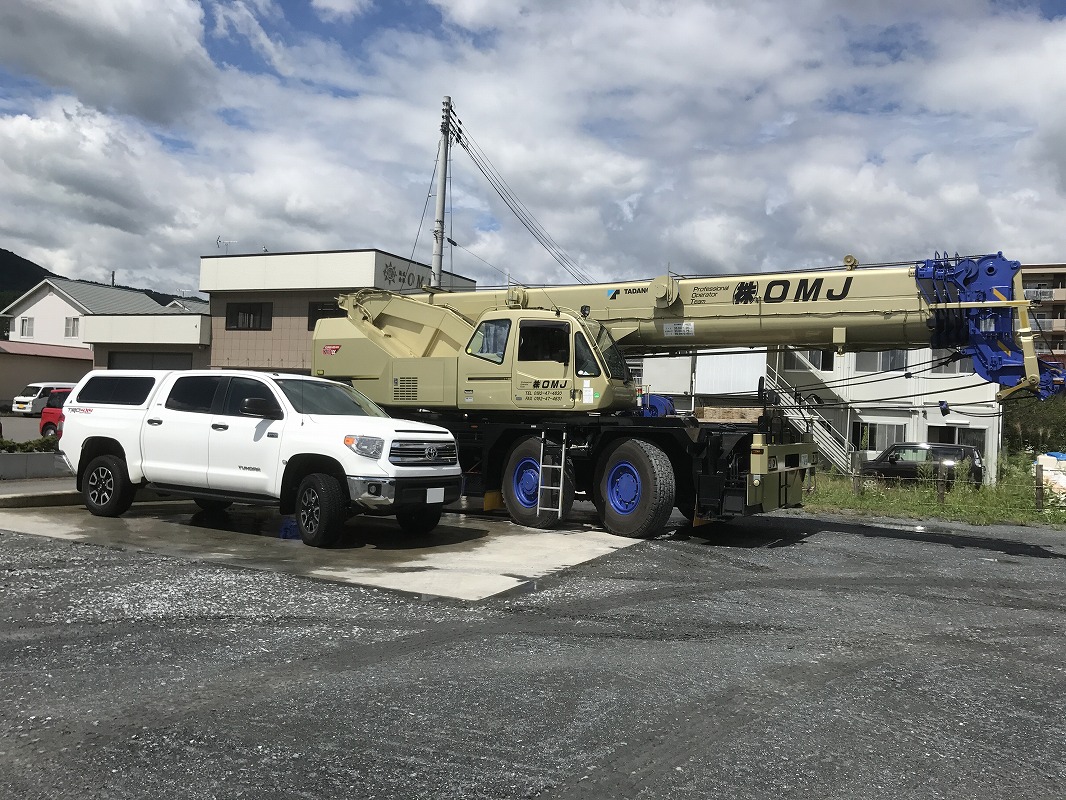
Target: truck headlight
[[369, 446]]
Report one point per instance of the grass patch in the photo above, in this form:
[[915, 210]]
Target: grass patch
[[1011, 501]]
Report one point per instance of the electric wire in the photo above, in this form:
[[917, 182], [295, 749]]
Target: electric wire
[[425, 208], [520, 210]]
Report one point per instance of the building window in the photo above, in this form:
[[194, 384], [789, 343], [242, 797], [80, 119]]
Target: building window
[[815, 359], [883, 361], [876, 435], [26, 327], [317, 311], [70, 327], [249, 316]]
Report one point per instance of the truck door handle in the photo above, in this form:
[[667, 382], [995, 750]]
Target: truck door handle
[[218, 426], [155, 422]]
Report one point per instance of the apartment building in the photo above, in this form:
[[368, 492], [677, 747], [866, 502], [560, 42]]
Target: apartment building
[[1045, 285], [264, 306]]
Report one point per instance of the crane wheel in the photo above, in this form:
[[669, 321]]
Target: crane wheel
[[521, 487], [635, 489]]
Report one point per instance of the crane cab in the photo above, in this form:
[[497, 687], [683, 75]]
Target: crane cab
[[537, 359]]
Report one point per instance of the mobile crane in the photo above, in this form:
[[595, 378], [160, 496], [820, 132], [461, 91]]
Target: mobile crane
[[534, 384]]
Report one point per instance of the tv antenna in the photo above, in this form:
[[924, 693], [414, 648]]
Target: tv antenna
[[219, 242]]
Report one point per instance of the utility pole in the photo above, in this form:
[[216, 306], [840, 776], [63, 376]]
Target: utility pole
[[442, 187]]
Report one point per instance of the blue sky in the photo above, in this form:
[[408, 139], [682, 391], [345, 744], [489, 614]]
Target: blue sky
[[703, 137]]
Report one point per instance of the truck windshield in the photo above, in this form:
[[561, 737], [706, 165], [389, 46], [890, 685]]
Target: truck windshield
[[612, 356], [331, 399]]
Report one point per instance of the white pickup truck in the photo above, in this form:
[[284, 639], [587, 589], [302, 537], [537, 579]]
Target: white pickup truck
[[311, 447]]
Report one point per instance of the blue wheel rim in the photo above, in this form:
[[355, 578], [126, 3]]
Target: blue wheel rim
[[526, 482], [623, 488]]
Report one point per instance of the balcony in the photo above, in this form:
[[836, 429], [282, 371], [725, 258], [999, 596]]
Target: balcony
[[1041, 295]]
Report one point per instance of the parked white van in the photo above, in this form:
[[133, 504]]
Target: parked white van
[[31, 400]]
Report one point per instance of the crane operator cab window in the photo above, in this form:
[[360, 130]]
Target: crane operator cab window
[[584, 361], [490, 340], [544, 340]]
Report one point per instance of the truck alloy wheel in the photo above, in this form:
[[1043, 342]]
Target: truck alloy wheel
[[635, 489], [106, 487], [320, 509]]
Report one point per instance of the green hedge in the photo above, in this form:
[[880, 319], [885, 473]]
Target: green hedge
[[43, 445]]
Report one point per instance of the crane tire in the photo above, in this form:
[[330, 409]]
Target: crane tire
[[521, 486], [635, 489]]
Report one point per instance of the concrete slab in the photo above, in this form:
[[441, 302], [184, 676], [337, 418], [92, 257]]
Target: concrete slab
[[468, 557]]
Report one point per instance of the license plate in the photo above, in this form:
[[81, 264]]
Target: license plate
[[435, 495], [805, 460]]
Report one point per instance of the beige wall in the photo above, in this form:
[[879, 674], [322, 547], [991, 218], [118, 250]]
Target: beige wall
[[17, 370], [285, 347]]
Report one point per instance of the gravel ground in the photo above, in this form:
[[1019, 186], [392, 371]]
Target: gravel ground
[[788, 657]]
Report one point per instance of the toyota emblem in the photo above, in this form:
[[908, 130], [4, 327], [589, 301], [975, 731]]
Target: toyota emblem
[[431, 451]]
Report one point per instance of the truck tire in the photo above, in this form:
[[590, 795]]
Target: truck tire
[[635, 489], [320, 509], [521, 486], [106, 487], [419, 521], [48, 430]]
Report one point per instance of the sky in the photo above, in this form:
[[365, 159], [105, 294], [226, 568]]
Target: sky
[[723, 136]]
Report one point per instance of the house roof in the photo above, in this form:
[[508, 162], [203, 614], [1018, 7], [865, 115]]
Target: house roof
[[98, 299], [47, 350], [95, 298], [191, 305]]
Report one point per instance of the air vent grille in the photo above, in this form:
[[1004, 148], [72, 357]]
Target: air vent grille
[[404, 389]]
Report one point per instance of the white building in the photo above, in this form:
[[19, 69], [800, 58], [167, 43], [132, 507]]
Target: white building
[[855, 402]]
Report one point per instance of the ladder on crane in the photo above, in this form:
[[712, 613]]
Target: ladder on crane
[[552, 471]]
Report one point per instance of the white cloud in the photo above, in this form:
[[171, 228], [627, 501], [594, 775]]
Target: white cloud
[[131, 56], [341, 10], [707, 136]]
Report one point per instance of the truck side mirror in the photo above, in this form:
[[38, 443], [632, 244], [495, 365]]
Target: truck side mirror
[[260, 407]]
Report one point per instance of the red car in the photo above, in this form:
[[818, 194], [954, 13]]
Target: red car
[[53, 412]]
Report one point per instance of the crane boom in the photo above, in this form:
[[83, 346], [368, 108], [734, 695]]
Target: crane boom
[[974, 305]]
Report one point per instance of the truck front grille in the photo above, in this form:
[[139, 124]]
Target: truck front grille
[[423, 453]]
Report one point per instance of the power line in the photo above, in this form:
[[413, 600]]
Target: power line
[[518, 208]]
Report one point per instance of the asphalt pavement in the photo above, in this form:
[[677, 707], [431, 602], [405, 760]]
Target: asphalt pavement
[[783, 656]]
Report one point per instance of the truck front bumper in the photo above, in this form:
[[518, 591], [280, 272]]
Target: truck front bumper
[[383, 494]]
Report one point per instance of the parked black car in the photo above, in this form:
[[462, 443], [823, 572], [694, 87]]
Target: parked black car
[[910, 461]]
